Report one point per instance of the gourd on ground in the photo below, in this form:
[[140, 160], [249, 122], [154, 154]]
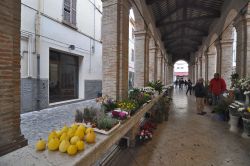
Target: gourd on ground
[[72, 150], [41, 145], [53, 144], [90, 137], [64, 146]]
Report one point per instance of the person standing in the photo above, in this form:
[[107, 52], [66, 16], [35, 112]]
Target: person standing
[[217, 87], [189, 84], [200, 93]]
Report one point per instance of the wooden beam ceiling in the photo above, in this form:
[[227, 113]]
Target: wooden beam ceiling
[[187, 20]]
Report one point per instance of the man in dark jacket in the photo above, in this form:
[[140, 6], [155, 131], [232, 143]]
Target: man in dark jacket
[[200, 93], [189, 84]]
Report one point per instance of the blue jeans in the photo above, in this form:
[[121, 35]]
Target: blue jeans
[[216, 99]]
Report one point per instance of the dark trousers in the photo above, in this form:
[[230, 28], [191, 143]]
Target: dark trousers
[[190, 90]]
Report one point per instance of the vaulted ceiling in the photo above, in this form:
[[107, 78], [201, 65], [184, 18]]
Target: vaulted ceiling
[[184, 23]]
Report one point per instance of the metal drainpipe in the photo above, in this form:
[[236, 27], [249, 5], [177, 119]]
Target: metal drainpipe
[[92, 45], [37, 50]]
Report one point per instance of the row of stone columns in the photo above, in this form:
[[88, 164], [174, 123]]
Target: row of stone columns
[[221, 60], [150, 62]]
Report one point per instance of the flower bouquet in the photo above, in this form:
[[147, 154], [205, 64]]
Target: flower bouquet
[[107, 103]]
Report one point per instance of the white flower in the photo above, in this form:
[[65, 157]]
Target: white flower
[[246, 92], [241, 109]]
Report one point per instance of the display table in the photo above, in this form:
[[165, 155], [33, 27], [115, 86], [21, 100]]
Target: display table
[[27, 156]]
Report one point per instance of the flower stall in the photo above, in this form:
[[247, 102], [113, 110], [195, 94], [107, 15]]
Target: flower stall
[[95, 130]]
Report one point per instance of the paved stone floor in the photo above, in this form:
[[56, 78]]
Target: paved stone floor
[[188, 139], [38, 124]]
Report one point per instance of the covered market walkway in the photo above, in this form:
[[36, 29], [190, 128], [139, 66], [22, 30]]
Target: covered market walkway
[[188, 139], [211, 36]]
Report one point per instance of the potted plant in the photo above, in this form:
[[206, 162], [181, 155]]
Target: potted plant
[[157, 85], [246, 123]]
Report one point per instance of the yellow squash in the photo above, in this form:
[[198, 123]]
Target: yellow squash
[[80, 145], [53, 144], [64, 146], [74, 140], [40, 145], [90, 137], [79, 133], [72, 150]]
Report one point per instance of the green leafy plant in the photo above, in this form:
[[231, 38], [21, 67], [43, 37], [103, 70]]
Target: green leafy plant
[[89, 114], [157, 85], [78, 116], [106, 123], [139, 97]]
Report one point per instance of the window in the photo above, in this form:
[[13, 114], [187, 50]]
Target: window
[[132, 55], [63, 76], [69, 12]]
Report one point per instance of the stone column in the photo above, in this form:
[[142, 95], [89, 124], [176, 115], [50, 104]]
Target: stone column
[[152, 63], [10, 132], [203, 59], [193, 76], [218, 58], [164, 72], [211, 58], [115, 24], [226, 59], [141, 58], [206, 67], [242, 25], [190, 71], [200, 67], [170, 73], [159, 66], [197, 71]]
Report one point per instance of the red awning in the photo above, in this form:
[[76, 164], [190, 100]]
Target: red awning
[[181, 73]]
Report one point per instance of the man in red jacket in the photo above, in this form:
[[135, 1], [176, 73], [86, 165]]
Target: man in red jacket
[[217, 87]]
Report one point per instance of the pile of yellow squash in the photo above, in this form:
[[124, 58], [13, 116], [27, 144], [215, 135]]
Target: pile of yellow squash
[[68, 140]]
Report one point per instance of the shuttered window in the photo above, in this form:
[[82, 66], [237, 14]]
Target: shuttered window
[[69, 12]]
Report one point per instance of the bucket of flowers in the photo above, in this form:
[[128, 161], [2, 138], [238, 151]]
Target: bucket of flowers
[[127, 106], [245, 87], [107, 103]]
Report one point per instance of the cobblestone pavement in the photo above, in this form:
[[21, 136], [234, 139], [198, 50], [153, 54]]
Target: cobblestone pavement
[[38, 124], [188, 139]]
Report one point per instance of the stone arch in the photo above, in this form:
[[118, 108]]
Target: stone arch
[[139, 21], [142, 38], [180, 59], [228, 25], [179, 70], [226, 47], [212, 57], [152, 59]]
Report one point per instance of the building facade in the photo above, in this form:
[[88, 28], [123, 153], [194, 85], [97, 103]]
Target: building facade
[[131, 67], [181, 70], [61, 52]]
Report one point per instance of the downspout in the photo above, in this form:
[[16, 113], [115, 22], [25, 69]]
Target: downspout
[[92, 45], [37, 51]]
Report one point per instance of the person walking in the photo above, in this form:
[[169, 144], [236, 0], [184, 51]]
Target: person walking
[[200, 93], [189, 84], [217, 87]]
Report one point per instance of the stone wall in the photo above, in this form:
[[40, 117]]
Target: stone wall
[[32, 98], [92, 88]]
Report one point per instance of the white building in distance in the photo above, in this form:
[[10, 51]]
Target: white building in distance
[[61, 52]]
